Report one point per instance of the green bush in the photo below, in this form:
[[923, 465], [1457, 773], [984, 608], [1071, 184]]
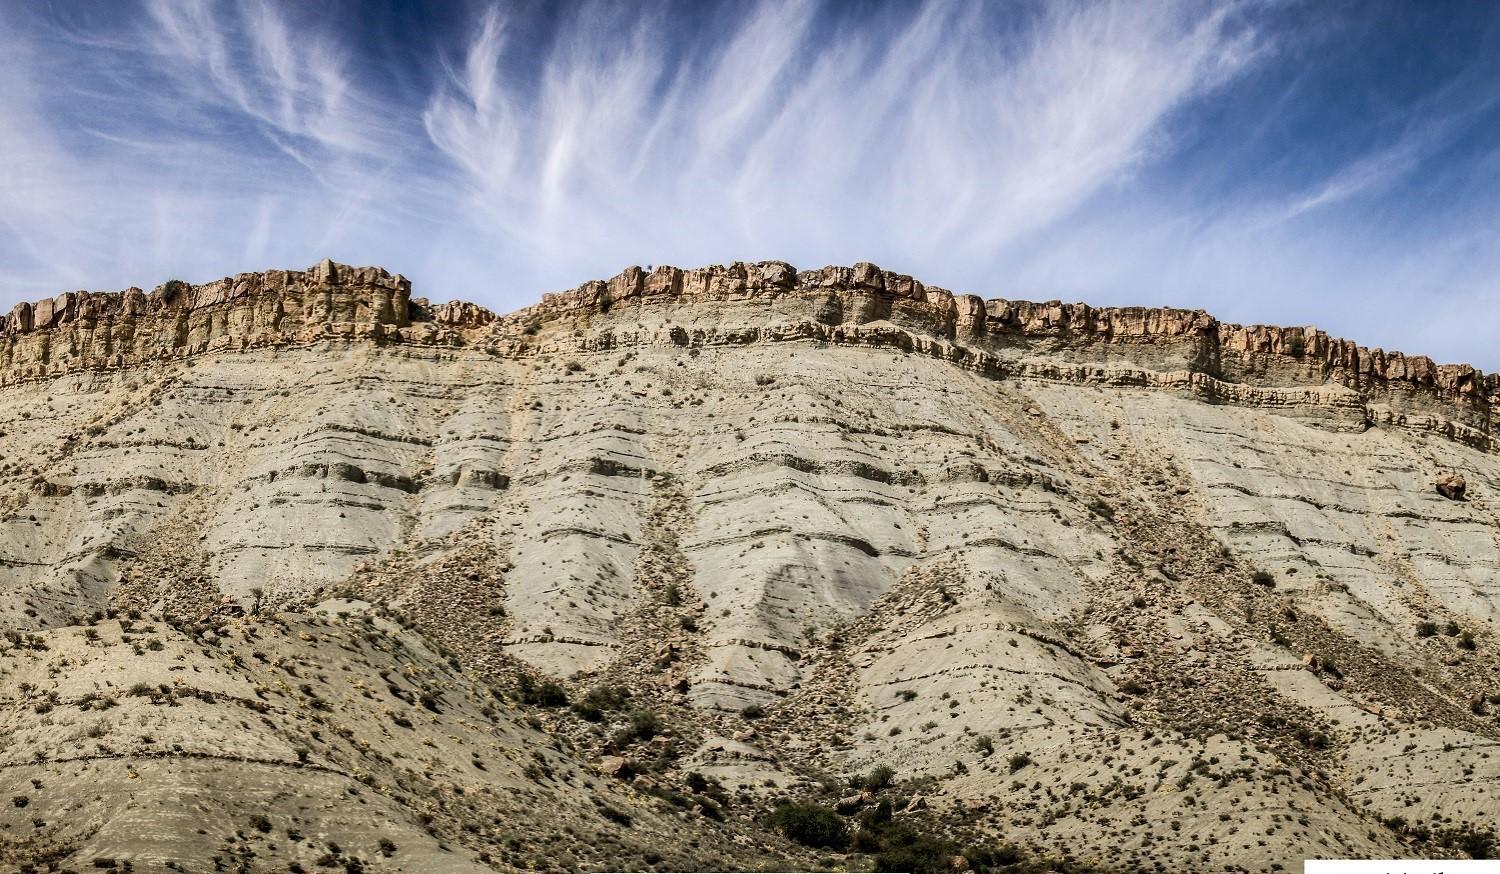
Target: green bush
[[865, 841], [879, 777], [916, 854], [988, 858], [1310, 737], [588, 711], [898, 847], [549, 693], [645, 724], [599, 701], [1263, 578], [875, 819], [1427, 629], [811, 825], [1473, 842]]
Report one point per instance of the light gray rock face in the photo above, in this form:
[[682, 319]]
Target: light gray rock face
[[895, 519]]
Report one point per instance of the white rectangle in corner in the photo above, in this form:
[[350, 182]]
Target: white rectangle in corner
[[1400, 866]]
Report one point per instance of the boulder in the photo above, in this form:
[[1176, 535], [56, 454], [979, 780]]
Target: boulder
[[1452, 486], [614, 766]]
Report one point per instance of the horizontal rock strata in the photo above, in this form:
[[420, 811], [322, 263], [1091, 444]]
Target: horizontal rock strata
[[1161, 346]]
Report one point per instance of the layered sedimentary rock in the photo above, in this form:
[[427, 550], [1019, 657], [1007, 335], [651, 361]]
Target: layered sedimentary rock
[[816, 521], [83, 330], [87, 331], [864, 294]]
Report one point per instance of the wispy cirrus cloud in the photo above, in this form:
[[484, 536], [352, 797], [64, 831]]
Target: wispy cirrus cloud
[[1194, 153], [799, 137]]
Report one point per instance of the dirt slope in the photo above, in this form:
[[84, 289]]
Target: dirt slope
[[1126, 588]]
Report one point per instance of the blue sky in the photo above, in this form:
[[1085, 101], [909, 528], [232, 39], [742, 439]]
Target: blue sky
[[1329, 163]]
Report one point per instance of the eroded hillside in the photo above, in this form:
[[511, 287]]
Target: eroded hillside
[[1121, 587]]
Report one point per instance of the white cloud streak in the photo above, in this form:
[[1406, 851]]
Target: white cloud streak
[[790, 140]]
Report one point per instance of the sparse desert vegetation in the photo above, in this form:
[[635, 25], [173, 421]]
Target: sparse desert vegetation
[[790, 570]]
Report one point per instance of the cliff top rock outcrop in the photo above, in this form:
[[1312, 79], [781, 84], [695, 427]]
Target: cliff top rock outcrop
[[80, 330]]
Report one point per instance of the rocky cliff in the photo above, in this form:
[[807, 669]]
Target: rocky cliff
[[1087, 578], [84, 330]]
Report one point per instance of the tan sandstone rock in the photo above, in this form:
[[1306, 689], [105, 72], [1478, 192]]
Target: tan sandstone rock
[[1452, 486]]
